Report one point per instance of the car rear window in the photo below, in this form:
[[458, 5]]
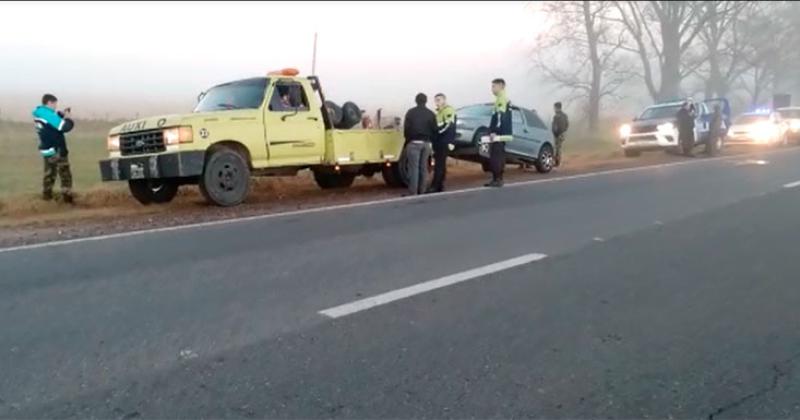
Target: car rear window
[[475, 111]]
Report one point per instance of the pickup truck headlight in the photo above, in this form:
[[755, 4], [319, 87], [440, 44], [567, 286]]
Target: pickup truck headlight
[[112, 142], [625, 130], [177, 135]]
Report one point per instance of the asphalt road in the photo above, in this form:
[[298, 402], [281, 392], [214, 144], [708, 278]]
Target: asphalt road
[[665, 291]]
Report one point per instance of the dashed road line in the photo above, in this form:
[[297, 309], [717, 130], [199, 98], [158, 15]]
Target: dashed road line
[[406, 292]]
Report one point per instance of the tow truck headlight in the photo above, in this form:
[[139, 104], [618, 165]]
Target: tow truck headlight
[[112, 142], [666, 128], [625, 130], [177, 135]]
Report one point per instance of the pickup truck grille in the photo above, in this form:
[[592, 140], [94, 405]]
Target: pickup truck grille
[[644, 129], [141, 142]]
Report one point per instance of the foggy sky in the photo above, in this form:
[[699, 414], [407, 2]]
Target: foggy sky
[[120, 59]]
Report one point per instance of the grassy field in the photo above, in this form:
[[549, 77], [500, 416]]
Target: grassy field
[[21, 165]]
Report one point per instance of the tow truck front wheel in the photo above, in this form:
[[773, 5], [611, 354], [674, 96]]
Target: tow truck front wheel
[[226, 178], [149, 191]]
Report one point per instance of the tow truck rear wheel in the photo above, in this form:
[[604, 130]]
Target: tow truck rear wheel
[[330, 181], [226, 177], [149, 191]]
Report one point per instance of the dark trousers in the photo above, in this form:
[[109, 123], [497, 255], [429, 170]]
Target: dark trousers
[[497, 159], [439, 167], [417, 155], [686, 139]]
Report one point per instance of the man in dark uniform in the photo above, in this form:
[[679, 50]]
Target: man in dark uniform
[[446, 121], [714, 131], [559, 127], [419, 129], [686, 129], [500, 131]]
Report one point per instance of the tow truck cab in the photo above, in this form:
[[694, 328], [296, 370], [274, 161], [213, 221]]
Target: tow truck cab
[[656, 127], [273, 125]]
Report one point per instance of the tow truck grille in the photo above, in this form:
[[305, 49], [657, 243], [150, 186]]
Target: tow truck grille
[[141, 143]]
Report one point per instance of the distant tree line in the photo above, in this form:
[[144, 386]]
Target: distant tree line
[[593, 49]]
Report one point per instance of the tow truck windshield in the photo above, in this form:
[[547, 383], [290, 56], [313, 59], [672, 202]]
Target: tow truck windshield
[[659, 112], [242, 94]]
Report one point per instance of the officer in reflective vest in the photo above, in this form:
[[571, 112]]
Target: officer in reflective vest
[[500, 131], [446, 122]]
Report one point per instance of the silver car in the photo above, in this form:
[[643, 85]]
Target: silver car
[[532, 144]]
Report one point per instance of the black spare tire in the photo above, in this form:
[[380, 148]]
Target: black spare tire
[[351, 116], [334, 113]]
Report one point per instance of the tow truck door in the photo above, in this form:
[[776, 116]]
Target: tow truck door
[[295, 132]]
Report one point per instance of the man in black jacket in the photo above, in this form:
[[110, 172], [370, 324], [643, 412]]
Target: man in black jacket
[[419, 129], [686, 129], [51, 125]]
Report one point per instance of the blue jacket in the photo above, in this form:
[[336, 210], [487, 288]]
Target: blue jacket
[[51, 126]]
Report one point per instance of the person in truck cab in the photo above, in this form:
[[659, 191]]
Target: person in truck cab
[[51, 125], [419, 130], [282, 101], [686, 128]]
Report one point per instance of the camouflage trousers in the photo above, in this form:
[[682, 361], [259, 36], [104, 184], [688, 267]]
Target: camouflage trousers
[[57, 166], [559, 142]]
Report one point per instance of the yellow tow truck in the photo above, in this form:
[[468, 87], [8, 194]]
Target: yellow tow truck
[[275, 125]]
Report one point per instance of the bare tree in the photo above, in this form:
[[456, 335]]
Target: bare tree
[[724, 60], [664, 32], [581, 53], [770, 48]]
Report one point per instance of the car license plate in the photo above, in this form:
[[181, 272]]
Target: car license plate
[[137, 171]]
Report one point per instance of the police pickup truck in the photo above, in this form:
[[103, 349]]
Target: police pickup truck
[[273, 125], [656, 128]]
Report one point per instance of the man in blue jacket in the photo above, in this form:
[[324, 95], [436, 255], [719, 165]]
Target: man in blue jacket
[[499, 132], [51, 125]]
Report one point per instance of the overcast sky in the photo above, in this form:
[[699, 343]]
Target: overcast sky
[[118, 59]]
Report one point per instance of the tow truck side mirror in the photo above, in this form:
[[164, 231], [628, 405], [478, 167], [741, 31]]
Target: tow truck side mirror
[[200, 96]]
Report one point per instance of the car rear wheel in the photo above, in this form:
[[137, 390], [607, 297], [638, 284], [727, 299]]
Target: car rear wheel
[[226, 177], [148, 191], [545, 160]]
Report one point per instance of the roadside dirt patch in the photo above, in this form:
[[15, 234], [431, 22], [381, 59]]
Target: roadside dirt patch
[[27, 219]]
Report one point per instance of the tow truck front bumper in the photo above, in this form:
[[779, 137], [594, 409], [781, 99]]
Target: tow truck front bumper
[[165, 165], [649, 141]]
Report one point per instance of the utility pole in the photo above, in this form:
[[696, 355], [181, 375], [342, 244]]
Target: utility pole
[[314, 57]]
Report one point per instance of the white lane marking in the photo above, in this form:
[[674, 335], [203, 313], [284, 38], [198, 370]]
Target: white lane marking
[[792, 184], [382, 299], [598, 239], [356, 205], [755, 162]]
